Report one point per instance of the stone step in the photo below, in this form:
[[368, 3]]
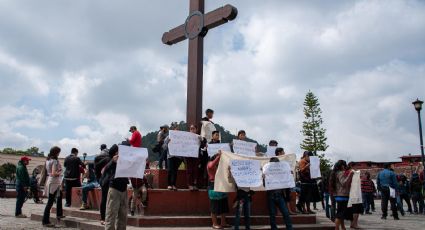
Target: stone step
[[89, 224], [182, 202], [183, 221]]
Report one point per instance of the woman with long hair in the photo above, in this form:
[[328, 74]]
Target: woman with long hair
[[339, 187], [52, 188]]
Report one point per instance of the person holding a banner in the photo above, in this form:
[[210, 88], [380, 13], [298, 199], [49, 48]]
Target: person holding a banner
[[275, 197], [218, 200], [287, 191], [174, 162], [309, 189], [339, 187], [116, 207], [192, 163]]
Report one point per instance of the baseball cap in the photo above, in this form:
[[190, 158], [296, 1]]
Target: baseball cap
[[25, 158]]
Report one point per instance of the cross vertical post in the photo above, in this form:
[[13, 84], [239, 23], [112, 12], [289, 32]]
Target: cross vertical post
[[195, 72]]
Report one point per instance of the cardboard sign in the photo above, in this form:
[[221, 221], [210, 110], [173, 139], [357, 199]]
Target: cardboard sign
[[247, 173], [271, 151], [183, 144], [278, 175], [131, 162], [244, 147], [214, 148], [314, 167]]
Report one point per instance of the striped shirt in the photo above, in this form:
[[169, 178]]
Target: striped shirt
[[368, 185]]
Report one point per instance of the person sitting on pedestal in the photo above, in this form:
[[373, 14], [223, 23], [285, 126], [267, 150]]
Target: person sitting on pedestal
[[89, 186]]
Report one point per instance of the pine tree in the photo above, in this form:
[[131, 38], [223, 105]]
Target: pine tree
[[314, 134]]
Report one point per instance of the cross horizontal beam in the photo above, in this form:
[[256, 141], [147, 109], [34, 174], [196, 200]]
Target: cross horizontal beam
[[212, 19]]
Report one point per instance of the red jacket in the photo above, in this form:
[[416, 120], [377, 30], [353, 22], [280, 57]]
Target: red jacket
[[136, 139]]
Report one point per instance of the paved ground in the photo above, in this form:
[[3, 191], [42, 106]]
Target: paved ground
[[8, 221]]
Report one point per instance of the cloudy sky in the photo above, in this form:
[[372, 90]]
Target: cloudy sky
[[78, 73]]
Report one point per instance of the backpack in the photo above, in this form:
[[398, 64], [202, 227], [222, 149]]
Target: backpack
[[43, 175]]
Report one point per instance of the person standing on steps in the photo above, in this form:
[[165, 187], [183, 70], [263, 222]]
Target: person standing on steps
[[72, 166], [52, 188]]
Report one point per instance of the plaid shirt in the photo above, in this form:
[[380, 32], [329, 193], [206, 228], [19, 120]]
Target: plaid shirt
[[367, 185]]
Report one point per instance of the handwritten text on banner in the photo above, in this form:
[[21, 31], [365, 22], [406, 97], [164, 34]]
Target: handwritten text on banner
[[183, 144], [247, 173], [244, 147], [278, 175], [131, 162]]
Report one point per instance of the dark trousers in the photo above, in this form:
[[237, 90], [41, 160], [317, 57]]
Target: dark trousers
[[417, 198], [272, 202], [105, 190], [52, 197], [173, 167], [385, 193], [69, 184], [20, 199], [192, 170], [326, 197], [367, 201], [406, 198], [243, 197], [163, 159]]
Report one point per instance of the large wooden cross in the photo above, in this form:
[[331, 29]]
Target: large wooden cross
[[195, 28]]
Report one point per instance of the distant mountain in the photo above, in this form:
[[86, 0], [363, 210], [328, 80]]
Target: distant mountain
[[149, 140]]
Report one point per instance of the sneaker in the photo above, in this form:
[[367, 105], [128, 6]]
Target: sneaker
[[170, 188], [60, 217], [21, 216], [84, 206], [49, 225], [396, 218]]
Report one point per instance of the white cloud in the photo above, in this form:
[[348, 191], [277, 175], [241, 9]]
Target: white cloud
[[91, 75]]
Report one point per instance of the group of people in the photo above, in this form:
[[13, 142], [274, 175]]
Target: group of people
[[343, 194]]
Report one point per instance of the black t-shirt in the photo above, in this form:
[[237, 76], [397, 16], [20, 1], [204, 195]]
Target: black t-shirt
[[72, 167]]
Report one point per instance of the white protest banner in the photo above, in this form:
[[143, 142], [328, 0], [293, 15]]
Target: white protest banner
[[271, 151], [244, 147], [131, 162], [247, 173], [183, 144], [314, 167], [214, 148], [278, 175]]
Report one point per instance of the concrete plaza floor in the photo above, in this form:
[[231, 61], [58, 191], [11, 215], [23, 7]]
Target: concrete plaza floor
[[8, 220]]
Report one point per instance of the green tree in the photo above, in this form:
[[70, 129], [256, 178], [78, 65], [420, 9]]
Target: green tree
[[314, 135], [7, 171]]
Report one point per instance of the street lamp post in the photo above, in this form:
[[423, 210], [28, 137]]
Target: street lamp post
[[418, 106], [84, 157]]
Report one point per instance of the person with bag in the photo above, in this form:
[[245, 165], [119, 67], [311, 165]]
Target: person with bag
[[52, 188], [386, 182], [219, 205]]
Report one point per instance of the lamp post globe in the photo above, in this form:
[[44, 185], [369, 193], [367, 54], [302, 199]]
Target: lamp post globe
[[418, 107], [84, 156], [418, 104]]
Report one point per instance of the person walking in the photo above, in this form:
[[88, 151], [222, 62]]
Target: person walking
[[22, 184], [386, 182], [417, 197], [405, 193], [72, 174], [52, 188]]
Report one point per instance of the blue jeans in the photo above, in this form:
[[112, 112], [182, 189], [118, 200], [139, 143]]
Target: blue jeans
[[367, 201], [86, 188], [272, 202], [246, 208], [327, 205], [162, 159], [20, 198]]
